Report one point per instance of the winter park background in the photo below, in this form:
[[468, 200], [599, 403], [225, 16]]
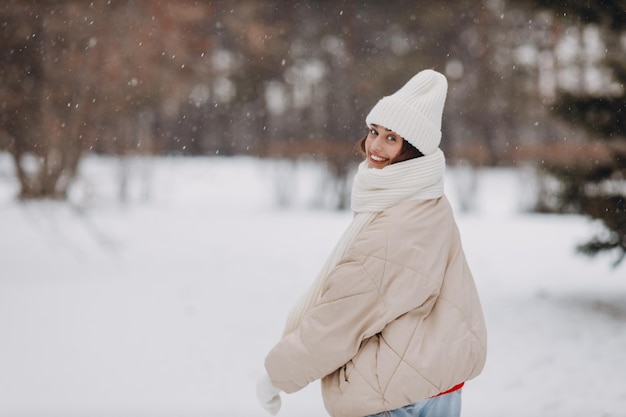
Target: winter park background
[[166, 305], [170, 175]]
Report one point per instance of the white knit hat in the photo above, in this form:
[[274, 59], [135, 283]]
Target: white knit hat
[[414, 111]]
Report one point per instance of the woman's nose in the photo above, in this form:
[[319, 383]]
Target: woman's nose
[[377, 143]]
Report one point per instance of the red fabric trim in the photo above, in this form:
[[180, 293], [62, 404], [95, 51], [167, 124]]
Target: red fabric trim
[[454, 388]]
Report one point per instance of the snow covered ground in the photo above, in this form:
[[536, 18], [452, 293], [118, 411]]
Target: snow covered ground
[[166, 305]]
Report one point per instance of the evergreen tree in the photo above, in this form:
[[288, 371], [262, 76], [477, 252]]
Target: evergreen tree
[[596, 187]]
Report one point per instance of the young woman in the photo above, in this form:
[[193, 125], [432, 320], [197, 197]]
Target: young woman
[[393, 324]]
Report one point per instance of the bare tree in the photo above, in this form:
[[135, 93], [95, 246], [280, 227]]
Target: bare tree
[[80, 76]]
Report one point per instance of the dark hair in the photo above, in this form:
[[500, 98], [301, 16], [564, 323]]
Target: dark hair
[[407, 152]]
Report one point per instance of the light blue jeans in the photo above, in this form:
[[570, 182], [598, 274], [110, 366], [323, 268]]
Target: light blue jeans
[[448, 405]]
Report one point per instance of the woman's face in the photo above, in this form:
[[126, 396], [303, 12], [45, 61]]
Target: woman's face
[[382, 146]]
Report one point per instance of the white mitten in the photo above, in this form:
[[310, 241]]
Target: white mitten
[[268, 395]]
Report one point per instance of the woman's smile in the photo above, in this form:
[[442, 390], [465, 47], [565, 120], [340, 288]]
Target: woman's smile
[[376, 160]]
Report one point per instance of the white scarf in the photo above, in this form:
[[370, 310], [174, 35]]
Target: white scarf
[[373, 191]]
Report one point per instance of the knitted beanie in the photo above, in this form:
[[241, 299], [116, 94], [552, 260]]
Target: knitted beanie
[[414, 111]]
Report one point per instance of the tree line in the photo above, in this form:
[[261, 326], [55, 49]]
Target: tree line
[[594, 184], [529, 80], [265, 77]]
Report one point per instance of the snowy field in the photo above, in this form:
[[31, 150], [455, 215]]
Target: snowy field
[[166, 305]]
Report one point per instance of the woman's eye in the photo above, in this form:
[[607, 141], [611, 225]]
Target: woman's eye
[[373, 132], [391, 138]]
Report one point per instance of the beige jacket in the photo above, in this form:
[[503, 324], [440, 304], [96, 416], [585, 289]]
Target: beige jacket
[[399, 319]]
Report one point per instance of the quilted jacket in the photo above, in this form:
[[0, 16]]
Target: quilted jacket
[[399, 319]]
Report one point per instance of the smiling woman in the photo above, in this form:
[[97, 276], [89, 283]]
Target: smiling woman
[[370, 326]]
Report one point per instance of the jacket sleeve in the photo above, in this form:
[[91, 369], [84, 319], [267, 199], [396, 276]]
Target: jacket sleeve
[[395, 265], [378, 280], [351, 310]]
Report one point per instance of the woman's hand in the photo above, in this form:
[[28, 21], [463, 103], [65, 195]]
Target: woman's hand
[[268, 395]]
